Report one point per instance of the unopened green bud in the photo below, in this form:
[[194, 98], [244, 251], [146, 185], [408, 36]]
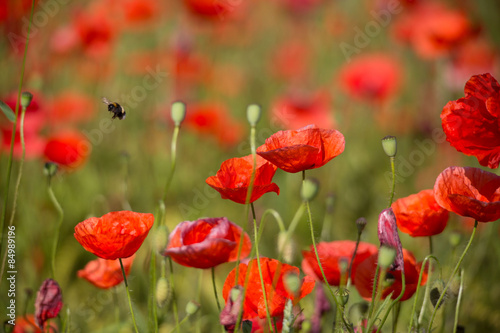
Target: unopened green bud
[[388, 281], [26, 98], [50, 169], [235, 293], [192, 307], [253, 114], [342, 295], [309, 190], [160, 239], [178, 112], [292, 283], [390, 146], [361, 224], [163, 292], [455, 238], [386, 256]]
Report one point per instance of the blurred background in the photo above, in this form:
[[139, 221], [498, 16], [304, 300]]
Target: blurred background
[[368, 68]]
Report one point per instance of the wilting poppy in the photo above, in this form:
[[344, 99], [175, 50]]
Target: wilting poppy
[[330, 254], [387, 230], [48, 302], [371, 77], [299, 109], [69, 149], [115, 234], [419, 215], [307, 148], [469, 192], [26, 324], [104, 273], [471, 123], [366, 273], [206, 243], [233, 179], [253, 305]]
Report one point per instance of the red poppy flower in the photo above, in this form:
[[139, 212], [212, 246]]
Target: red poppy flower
[[233, 179], [297, 110], [27, 324], [253, 305], [68, 149], [206, 243], [330, 254], [469, 192], [138, 11], [104, 273], [291, 60], [419, 215], [210, 9], [214, 120], [307, 148], [96, 30], [48, 302], [371, 77], [115, 234], [70, 107], [471, 123], [366, 273]]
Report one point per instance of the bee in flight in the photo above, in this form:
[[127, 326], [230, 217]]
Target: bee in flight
[[117, 110]]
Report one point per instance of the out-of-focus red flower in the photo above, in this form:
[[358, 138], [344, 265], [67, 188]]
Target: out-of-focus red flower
[[419, 215], [211, 9], [362, 327], [330, 254], [371, 77], [253, 304], [69, 149], [291, 60], [27, 324], [469, 192], [387, 229], [296, 110], [104, 273], [366, 273], [70, 107], [115, 234], [206, 243], [233, 179], [471, 122], [214, 120], [432, 29], [307, 148], [140, 11], [48, 302]]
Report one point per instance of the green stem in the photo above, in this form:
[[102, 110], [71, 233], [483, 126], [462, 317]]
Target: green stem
[[128, 295], [352, 260], [457, 267], [255, 231], [60, 214], [393, 171], [215, 289], [173, 152], [403, 288], [174, 297], [459, 300], [374, 293], [13, 136]]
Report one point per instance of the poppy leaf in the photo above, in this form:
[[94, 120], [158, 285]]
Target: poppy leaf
[[7, 111], [247, 326]]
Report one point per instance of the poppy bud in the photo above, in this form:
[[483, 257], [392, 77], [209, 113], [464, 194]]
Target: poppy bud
[[163, 292], [253, 114], [160, 239], [455, 238], [50, 169], [309, 190], [361, 224], [342, 295], [386, 256], [26, 98], [388, 236], [286, 249], [229, 314], [292, 283], [48, 302], [178, 112], [192, 307], [389, 145]]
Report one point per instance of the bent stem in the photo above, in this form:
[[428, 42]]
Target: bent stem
[[60, 213], [457, 267], [128, 295]]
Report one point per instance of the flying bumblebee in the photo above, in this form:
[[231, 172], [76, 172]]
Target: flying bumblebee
[[117, 110]]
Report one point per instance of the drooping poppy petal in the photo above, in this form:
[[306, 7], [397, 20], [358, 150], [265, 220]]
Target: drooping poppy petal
[[206, 243], [104, 273], [469, 192], [48, 302], [69, 149], [307, 148], [115, 234], [388, 235], [330, 254], [233, 179], [419, 215], [366, 272], [253, 304], [471, 123]]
